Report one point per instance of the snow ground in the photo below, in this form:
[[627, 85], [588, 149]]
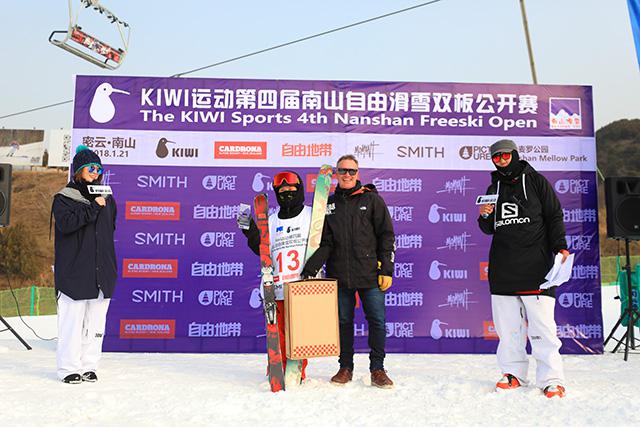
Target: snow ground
[[231, 389]]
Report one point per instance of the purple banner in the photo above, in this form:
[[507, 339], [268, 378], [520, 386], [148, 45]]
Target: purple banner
[[199, 104], [188, 282]]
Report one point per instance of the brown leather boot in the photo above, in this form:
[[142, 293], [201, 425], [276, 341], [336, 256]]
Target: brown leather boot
[[343, 376], [380, 379]]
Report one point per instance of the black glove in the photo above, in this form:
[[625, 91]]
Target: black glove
[[306, 274]]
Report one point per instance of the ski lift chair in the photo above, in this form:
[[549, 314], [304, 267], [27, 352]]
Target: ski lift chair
[[90, 48]]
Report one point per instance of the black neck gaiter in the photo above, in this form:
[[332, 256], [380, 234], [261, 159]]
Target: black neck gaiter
[[512, 170]]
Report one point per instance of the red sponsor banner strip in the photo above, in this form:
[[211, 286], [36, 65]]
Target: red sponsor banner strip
[[147, 328], [484, 270], [489, 330], [152, 211], [246, 150], [150, 268]]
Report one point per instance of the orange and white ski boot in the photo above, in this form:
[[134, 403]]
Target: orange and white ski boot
[[508, 382], [554, 391]]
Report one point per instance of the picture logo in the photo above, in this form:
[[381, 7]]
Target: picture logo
[[576, 299], [148, 328], [152, 211], [572, 186], [244, 150], [219, 182], [150, 268], [102, 108], [565, 113], [216, 298], [475, 152]]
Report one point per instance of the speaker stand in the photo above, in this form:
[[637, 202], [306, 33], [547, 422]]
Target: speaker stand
[[24, 343], [629, 312]]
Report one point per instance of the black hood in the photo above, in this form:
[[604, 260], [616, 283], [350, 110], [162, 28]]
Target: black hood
[[83, 187], [512, 169], [523, 167], [291, 202]]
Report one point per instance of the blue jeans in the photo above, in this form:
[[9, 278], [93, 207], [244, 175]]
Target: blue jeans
[[373, 304]]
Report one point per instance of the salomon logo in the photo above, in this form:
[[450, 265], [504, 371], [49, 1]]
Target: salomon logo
[[509, 210]]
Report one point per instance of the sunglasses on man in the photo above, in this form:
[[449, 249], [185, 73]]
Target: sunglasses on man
[[344, 171], [95, 169], [504, 156], [287, 177]]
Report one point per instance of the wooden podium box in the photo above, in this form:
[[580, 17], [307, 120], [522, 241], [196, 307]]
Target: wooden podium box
[[311, 318]]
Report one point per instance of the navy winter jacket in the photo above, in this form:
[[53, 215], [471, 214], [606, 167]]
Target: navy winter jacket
[[85, 259]]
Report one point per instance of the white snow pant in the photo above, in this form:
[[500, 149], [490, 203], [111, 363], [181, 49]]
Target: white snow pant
[[81, 326], [515, 318]]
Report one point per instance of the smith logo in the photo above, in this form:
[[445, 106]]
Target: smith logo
[[245, 150], [147, 328], [150, 268], [421, 152], [162, 181], [152, 211]]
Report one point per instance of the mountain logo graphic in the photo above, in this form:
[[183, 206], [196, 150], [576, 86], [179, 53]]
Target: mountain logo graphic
[[565, 113]]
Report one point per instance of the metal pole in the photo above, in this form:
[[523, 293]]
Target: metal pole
[[529, 49]]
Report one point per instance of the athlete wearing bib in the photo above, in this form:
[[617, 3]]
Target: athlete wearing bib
[[288, 233]]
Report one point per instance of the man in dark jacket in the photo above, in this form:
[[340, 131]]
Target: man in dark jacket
[[528, 231], [358, 248], [85, 268]]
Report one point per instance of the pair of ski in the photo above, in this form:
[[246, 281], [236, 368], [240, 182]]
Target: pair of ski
[[278, 379]]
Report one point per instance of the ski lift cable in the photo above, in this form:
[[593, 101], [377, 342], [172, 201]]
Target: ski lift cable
[[324, 33], [253, 53]]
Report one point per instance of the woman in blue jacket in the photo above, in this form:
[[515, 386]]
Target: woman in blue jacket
[[85, 268]]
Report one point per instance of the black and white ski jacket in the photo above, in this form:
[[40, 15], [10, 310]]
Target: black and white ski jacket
[[528, 230]]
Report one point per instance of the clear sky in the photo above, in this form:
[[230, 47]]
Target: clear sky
[[585, 42]]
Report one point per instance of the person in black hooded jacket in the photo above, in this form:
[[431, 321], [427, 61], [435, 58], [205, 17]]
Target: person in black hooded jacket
[[528, 230], [85, 268], [288, 235], [358, 246]]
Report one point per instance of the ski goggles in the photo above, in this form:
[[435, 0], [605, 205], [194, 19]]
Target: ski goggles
[[95, 169], [504, 156], [344, 171], [285, 177]]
